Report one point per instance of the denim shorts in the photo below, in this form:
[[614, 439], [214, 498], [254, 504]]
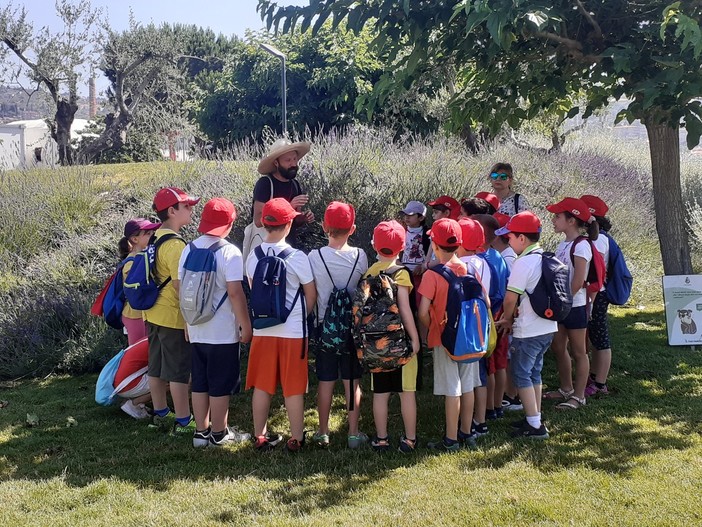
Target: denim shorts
[[527, 359]]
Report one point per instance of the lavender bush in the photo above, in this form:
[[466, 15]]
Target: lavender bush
[[59, 228]]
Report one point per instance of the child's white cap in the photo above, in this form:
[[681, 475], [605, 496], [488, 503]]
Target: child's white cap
[[415, 207]]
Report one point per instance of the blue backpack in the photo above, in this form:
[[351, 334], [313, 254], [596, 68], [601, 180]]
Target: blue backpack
[[499, 273], [105, 389], [268, 287], [110, 302], [467, 332], [140, 286], [619, 280], [552, 298]]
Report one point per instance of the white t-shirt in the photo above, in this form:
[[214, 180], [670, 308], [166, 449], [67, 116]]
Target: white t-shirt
[[413, 255], [509, 256], [479, 268], [563, 254], [298, 273], [223, 328], [525, 274], [340, 264]]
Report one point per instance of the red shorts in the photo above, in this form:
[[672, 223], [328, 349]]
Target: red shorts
[[498, 359], [277, 361]]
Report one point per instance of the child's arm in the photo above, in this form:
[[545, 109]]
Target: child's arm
[[423, 311], [509, 308], [407, 318], [579, 273], [235, 292], [310, 292]]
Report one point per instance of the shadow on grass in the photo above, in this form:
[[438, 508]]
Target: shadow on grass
[[655, 406]]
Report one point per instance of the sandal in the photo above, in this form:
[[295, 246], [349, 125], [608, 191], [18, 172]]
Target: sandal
[[557, 395], [573, 403]]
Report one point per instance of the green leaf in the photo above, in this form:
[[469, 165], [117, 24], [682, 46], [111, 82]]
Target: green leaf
[[537, 19], [573, 112]]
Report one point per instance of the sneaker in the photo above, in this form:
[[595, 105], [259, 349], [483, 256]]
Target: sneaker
[[357, 441], [268, 441], [479, 429], [164, 422], [137, 411], [231, 435], [293, 446], [467, 440], [189, 429], [521, 422], [380, 444], [526, 430], [491, 414], [593, 389], [511, 403], [407, 446], [201, 438], [321, 440], [442, 446]]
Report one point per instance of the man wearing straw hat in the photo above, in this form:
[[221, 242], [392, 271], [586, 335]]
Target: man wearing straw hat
[[279, 169]]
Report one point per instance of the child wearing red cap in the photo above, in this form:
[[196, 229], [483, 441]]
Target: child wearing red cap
[[388, 241], [598, 326], [531, 334], [501, 243], [443, 207], [274, 357], [215, 343], [455, 381], [170, 354], [571, 217], [338, 264], [137, 233]]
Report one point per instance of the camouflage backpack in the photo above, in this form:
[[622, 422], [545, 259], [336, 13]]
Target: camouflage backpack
[[379, 336]]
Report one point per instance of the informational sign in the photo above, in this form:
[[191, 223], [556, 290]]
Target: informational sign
[[683, 309]]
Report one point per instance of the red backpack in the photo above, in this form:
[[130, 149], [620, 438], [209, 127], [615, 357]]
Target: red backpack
[[597, 271]]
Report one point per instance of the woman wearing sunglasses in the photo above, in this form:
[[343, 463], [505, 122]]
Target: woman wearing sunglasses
[[500, 178]]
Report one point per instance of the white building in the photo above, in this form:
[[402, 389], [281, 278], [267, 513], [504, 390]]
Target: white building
[[27, 144]]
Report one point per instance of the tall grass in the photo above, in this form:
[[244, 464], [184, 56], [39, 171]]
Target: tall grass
[[59, 228]]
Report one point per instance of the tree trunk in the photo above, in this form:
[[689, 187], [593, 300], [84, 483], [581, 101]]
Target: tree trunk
[[113, 137], [671, 220], [61, 131]]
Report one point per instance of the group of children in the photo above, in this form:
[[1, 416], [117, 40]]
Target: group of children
[[498, 249]]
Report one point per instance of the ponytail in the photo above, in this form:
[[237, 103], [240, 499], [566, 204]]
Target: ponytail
[[593, 229], [124, 248], [604, 223]]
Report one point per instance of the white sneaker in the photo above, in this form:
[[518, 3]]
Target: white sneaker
[[137, 411], [232, 435]]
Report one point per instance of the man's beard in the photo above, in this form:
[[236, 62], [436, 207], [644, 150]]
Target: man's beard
[[288, 173]]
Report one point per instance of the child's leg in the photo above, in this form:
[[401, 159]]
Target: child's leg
[[260, 405], [181, 401], [578, 350], [466, 411], [598, 332], [480, 394], [408, 406], [355, 414], [219, 408], [559, 347], [490, 401], [500, 385], [295, 405], [158, 390], [380, 413], [325, 391], [201, 410], [601, 363], [452, 407]]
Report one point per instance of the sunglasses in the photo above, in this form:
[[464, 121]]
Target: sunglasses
[[501, 176]]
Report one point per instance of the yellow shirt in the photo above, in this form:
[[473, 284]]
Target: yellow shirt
[[401, 277], [128, 311], [166, 310]]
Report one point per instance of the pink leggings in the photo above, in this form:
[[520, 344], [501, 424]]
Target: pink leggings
[[136, 329]]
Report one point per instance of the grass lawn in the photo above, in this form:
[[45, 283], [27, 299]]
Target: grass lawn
[[632, 458]]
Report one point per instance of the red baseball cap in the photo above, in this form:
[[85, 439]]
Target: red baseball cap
[[139, 224], [389, 238], [217, 217], [339, 215], [473, 234], [490, 198], [524, 223], [574, 206], [502, 219], [446, 232], [170, 196], [278, 211], [596, 205], [450, 203]]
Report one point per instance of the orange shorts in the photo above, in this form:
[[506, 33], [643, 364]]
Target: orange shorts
[[277, 361]]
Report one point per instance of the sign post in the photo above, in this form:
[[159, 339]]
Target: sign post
[[682, 295]]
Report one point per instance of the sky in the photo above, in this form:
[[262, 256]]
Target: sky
[[229, 17]]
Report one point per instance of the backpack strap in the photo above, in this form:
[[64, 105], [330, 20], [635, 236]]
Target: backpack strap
[[216, 246], [272, 189], [516, 203], [128, 380], [157, 242]]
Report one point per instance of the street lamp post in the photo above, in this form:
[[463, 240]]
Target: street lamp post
[[283, 82]]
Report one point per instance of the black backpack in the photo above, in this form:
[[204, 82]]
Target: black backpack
[[551, 298]]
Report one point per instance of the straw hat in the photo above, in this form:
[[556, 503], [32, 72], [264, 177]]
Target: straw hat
[[280, 147]]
